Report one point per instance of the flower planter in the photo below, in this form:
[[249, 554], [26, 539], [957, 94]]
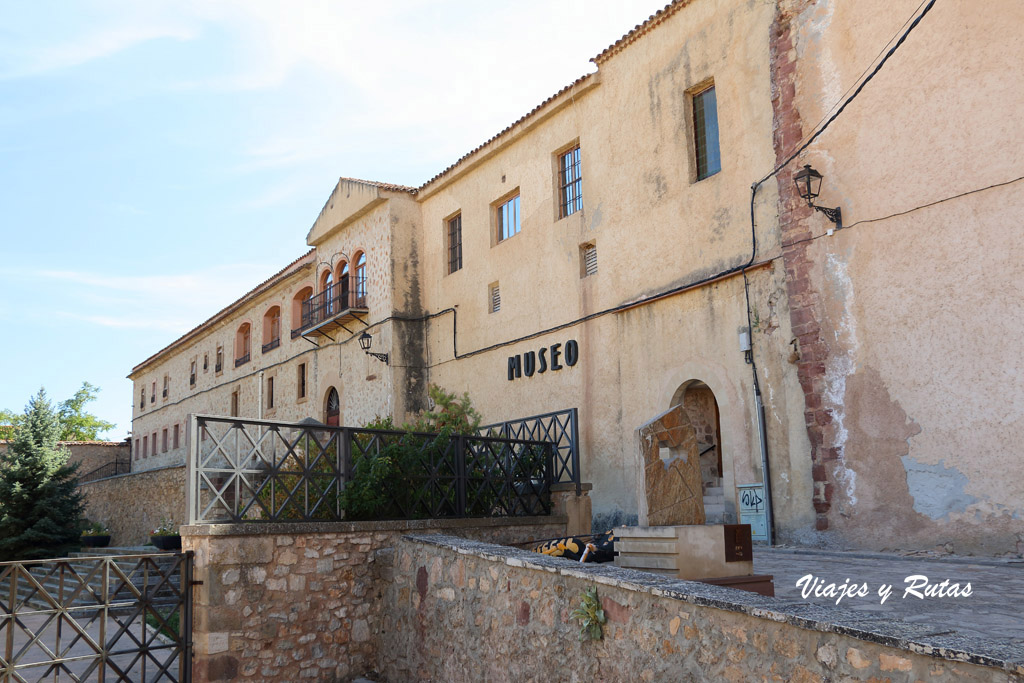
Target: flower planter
[[166, 542], [96, 541]]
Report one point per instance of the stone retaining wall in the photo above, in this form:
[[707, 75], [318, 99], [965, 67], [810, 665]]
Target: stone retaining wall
[[134, 504], [90, 455], [289, 602], [458, 610]]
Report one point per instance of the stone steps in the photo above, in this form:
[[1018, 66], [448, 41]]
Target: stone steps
[[61, 584]]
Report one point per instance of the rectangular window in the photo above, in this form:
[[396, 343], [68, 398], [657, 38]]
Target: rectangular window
[[454, 244], [508, 218], [570, 183], [495, 298], [145, 447], [206, 362], [588, 257], [152, 395], [167, 384], [270, 392], [234, 403], [176, 441], [142, 398], [705, 133], [153, 442], [302, 380], [219, 365], [138, 449], [192, 374], [165, 441]]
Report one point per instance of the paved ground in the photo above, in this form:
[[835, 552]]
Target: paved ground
[[994, 610], [127, 663]]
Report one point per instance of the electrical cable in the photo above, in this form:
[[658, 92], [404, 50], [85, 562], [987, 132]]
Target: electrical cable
[[905, 212]]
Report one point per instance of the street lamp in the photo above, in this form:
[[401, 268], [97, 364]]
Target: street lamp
[[365, 341], [808, 184]]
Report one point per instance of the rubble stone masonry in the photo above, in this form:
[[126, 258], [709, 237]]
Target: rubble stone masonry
[[134, 504], [290, 602]]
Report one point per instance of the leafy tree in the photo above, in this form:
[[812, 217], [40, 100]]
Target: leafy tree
[[40, 506], [75, 423]]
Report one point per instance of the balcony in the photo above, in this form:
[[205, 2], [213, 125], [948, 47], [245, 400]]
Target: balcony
[[332, 309], [271, 345], [242, 361]]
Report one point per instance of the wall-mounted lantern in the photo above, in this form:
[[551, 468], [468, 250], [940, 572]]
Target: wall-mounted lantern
[[365, 341], [808, 184]]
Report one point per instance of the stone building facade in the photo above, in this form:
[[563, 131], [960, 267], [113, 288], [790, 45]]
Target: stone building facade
[[606, 253]]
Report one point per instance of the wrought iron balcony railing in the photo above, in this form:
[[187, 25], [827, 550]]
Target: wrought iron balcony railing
[[242, 361], [334, 301], [271, 345]]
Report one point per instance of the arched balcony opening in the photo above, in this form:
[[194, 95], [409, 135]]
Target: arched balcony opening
[[243, 344], [300, 310], [272, 329]]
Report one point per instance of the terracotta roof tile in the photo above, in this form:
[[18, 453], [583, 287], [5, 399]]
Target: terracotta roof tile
[[384, 186], [303, 260], [512, 125], [640, 29]]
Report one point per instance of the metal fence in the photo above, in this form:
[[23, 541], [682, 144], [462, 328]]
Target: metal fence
[[110, 618], [109, 470], [560, 428], [262, 470]]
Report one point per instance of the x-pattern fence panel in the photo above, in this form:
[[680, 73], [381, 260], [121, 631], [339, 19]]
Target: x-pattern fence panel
[[263, 470], [85, 619], [560, 428]]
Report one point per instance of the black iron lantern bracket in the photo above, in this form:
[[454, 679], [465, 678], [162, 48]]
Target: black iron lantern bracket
[[365, 341], [808, 184]]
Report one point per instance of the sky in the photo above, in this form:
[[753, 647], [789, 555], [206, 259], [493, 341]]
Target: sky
[[159, 159]]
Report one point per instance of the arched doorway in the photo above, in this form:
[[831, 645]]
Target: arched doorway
[[332, 409], [701, 407]]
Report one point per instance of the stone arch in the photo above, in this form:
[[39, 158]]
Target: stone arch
[[731, 426], [332, 407]]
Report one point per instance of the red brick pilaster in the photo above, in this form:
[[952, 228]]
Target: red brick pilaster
[[803, 295]]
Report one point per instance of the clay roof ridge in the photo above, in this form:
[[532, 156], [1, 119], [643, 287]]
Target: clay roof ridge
[[395, 187], [505, 130], [640, 29], [227, 309]]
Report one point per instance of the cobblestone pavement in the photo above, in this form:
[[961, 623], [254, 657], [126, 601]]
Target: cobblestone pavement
[[994, 611]]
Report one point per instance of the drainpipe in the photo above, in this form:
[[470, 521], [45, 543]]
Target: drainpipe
[[259, 398], [765, 472]]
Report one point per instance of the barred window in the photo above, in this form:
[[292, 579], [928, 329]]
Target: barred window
[[455, 244], [705, 133], [508, 218], [570, 183]]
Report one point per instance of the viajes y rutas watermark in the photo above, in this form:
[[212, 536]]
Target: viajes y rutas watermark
[[916, 586]]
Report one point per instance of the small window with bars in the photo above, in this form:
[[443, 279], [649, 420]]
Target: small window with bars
[[454, 244], [588, 260], [508, 218], [494, 296], [570, 183]]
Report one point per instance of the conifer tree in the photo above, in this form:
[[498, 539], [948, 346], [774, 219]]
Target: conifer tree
[[40, 506]]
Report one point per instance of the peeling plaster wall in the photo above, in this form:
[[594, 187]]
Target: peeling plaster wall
[[911, 320]]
